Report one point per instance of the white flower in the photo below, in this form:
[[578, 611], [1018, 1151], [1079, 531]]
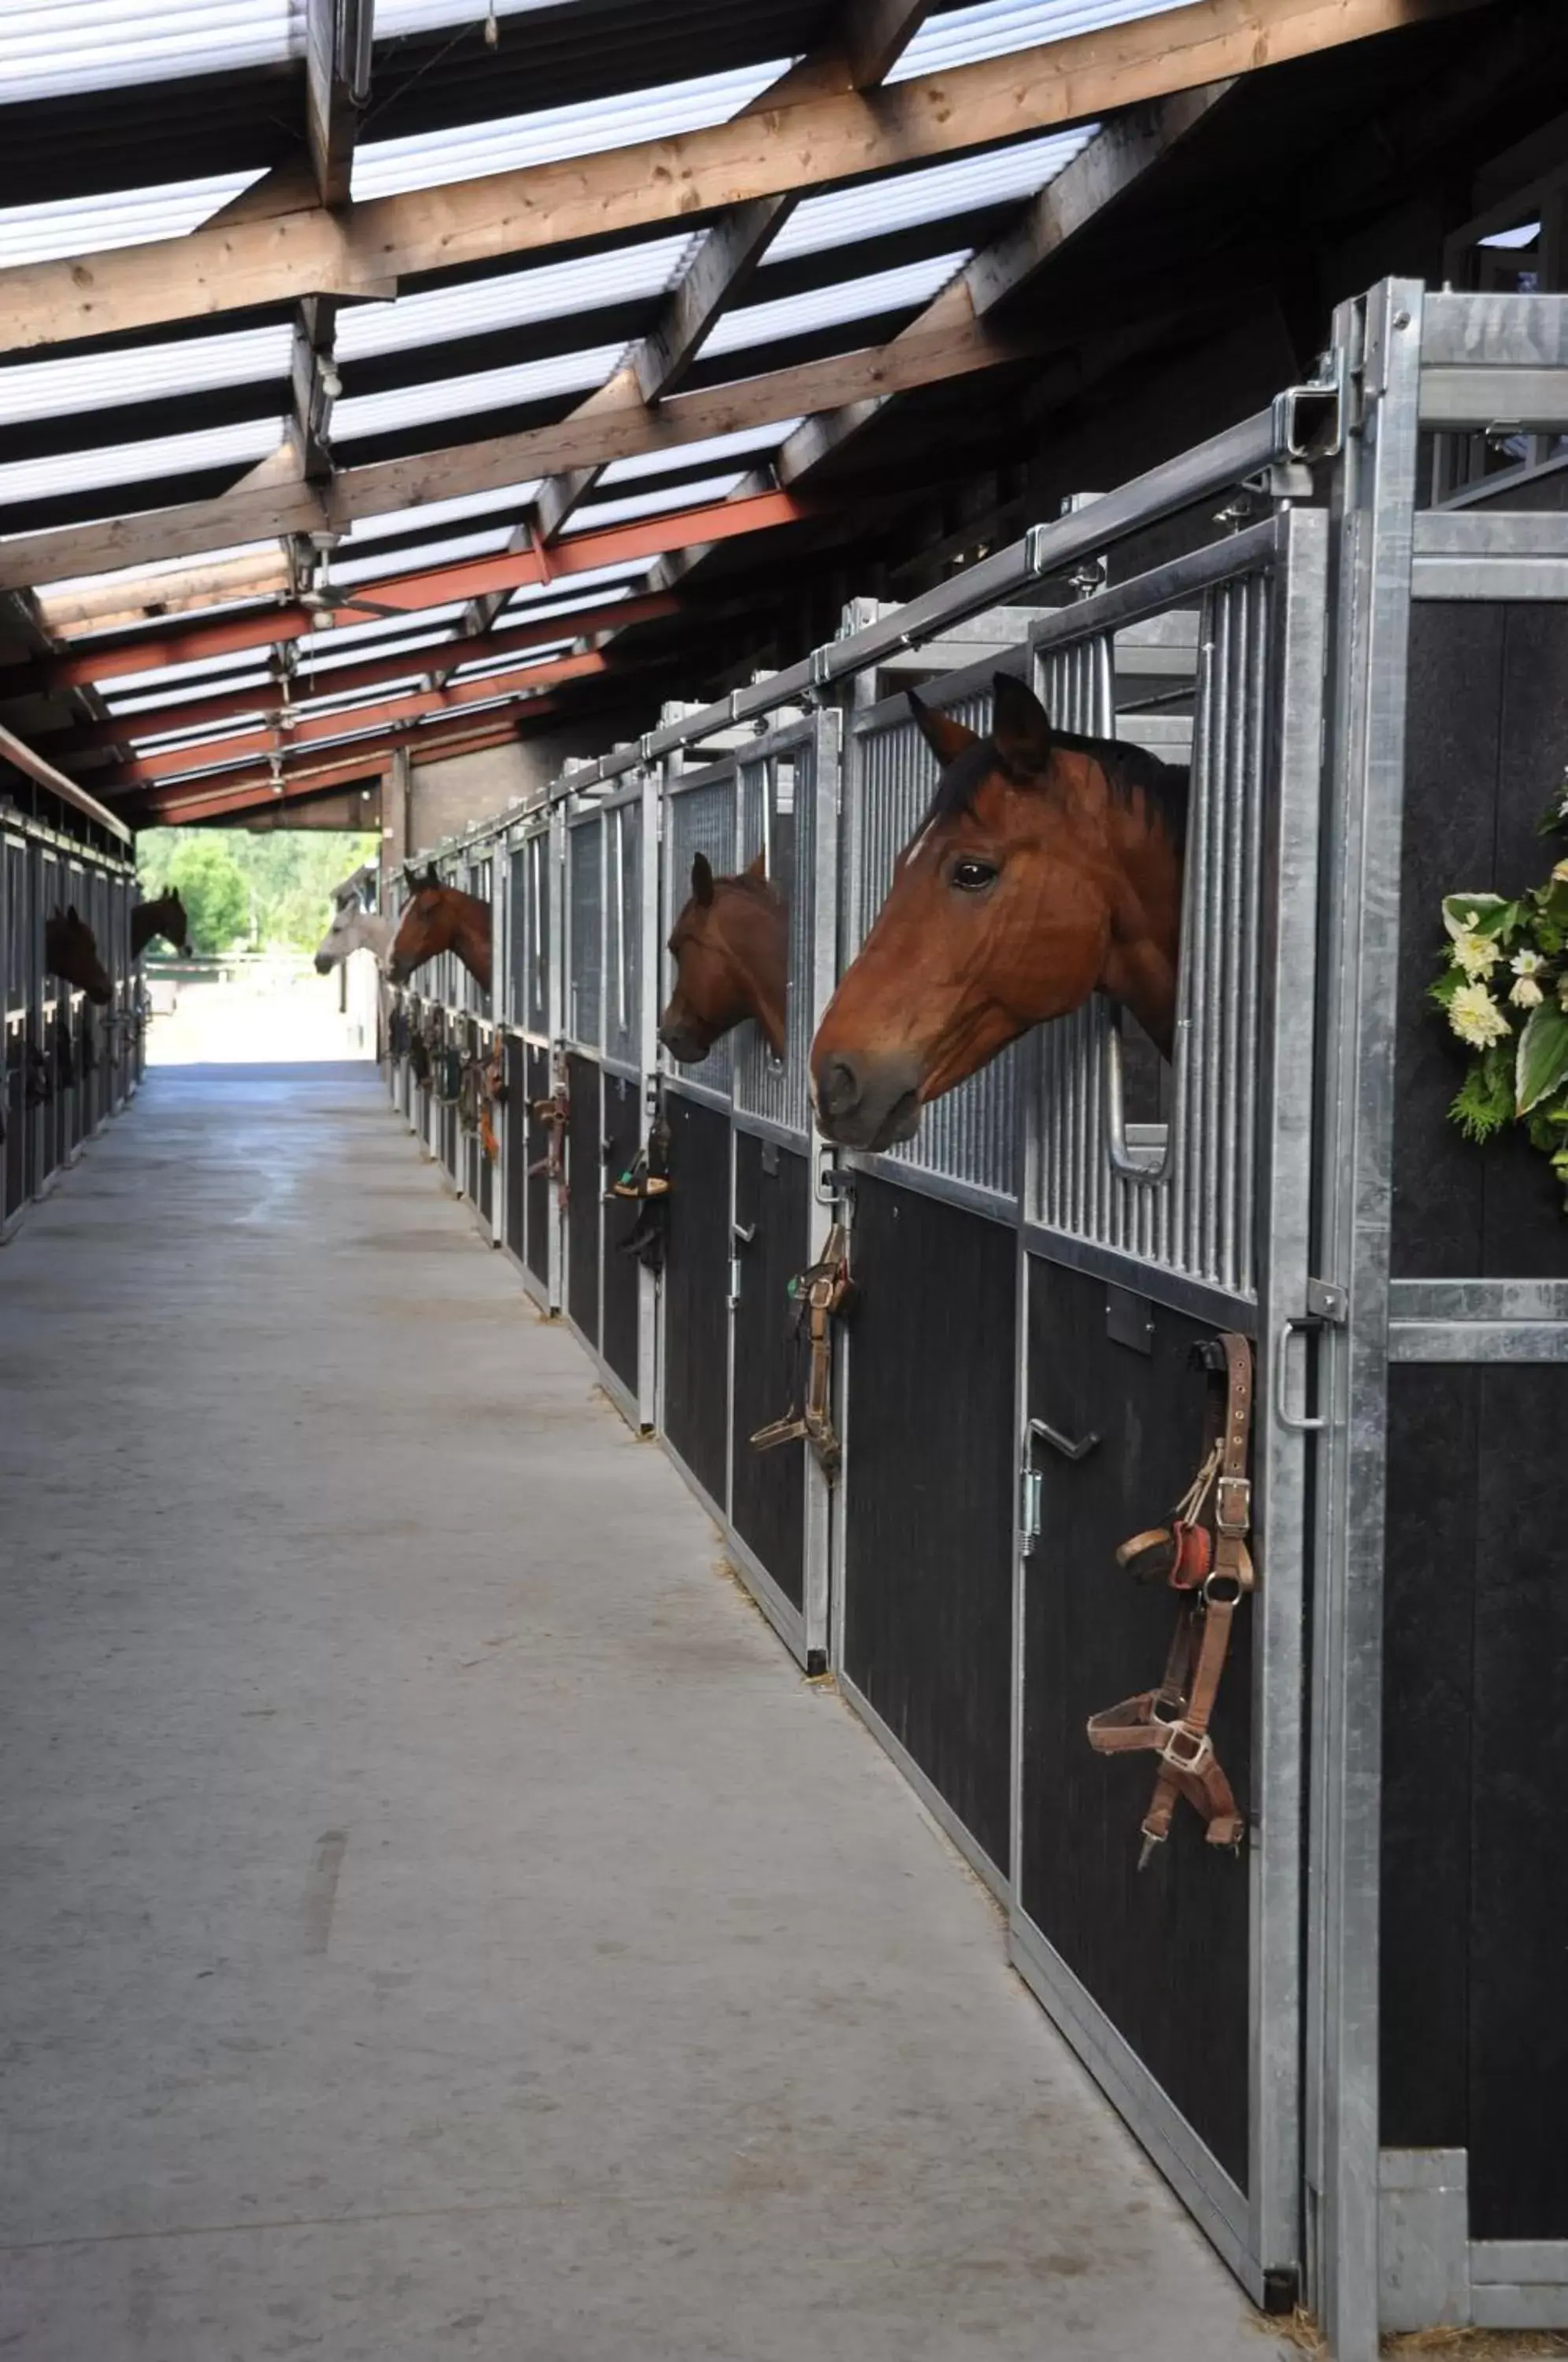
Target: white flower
[[1526, 993], [1526, 963], [1477, 1017], [1476, 955], [1560, 875]]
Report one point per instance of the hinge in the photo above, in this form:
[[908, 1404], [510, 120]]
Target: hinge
[[1328, 1302], [1031, 1492]]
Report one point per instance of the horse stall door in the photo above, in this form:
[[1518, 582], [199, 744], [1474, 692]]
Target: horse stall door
[[1474, 1907], [696, 1295], [1159, 1212], [620, 1272], [514, 1149], [767, 1502], [539, 1185], [585, 1187], [14, 914]]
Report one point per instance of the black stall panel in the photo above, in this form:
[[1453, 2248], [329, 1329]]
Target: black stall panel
[[618, 1292], [450, 1142], [1487, 734], [768, 1507], [1475, 1903], [536, 1084], [696, 1284], [585, 1184], [17, 1121], [928, 1494], [514, 1121], [1163, 1951]]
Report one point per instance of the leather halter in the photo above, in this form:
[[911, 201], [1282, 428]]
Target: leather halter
[[821, 1295], [1203, 1554]]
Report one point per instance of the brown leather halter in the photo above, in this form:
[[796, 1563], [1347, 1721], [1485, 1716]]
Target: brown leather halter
[[821, 1295], [1203, 1554]]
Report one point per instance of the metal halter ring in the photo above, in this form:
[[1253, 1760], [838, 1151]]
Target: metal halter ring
[[1213, 1599], [1202, 1746]]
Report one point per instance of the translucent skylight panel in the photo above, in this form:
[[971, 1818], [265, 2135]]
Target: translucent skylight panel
[[355, 701], [1526, 235], [547, 611], [395, 17], [455, 397], [390, 562], [1006, 176], [744, 443], [519, 611], [511, 498], [143, 373], [63, 226], [832, 307], [175, 456], [425, 158], [125, 686], [149, 701], [490, 665], [599, 513], [319, 661], [961, 36], [553, 290], [376, 627], [50, 47]]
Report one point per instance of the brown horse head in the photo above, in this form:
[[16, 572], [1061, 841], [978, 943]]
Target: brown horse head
[[1047, 868], [730, 949], [71, 952], [164, 916], [440, 919]]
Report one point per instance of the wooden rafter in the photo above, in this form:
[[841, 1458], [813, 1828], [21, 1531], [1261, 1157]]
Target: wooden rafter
[[364, 249]]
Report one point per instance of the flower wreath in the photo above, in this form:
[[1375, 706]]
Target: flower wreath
[[1519, 1070]]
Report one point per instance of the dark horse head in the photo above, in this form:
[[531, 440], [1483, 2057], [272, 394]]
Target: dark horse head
[[165, 917], [71, 952], [440, 919], [730, 949], [1047, 868]]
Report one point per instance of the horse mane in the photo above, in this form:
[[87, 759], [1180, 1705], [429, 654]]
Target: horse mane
[[1163, 786]]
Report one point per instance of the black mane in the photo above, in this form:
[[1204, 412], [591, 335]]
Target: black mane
[[1163, 786]]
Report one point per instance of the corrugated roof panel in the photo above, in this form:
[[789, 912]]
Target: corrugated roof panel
[[479, 307], [101, 380], [596, 514], [333, 636], [399, 17], [544, 611], [960, 36], [186, 695], [421, 554], [741, 444], [126, 690], [454, 397], [510, 663], [65, 225], [139, 463], [904, 200], [829, 308], [533, 601], [60, 45], [508, 498], [320, 661], [382, 168]]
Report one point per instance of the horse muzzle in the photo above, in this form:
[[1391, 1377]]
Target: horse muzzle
[[686, 1046], [868, 1103], [324, 967]]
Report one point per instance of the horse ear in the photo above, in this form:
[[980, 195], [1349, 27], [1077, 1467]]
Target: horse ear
[[702, 879], [947, 738], [71, 918], [757, 869], [1020, 732]]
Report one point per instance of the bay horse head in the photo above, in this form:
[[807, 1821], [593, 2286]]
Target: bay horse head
[[730, 949], [164, 916], [441, 918], [71, 952], [1047, 868]]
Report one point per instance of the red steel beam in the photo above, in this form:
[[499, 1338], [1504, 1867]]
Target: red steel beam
[[239, 704], [648, 538], [178, 762], [228, 789]]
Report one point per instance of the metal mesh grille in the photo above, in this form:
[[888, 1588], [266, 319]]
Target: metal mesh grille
[[585, 931], [624, 901], [480, 884], [970, 1134], [1195, 1215], [536, 1002], [779, 819], [701, 820]]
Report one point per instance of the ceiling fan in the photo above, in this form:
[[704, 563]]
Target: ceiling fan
[[324, 601]]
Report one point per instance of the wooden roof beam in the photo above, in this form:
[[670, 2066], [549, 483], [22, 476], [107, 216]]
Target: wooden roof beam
[[364, 249]]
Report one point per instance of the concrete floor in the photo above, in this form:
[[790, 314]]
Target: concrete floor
[[438, 1919]]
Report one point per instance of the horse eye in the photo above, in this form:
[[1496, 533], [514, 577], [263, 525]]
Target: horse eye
[[971, 875]]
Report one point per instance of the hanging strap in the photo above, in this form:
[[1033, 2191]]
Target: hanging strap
[[1203, 1555], [821, 1295]]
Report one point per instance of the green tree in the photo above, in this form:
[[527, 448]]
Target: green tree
[[288, 875], [213, 887]]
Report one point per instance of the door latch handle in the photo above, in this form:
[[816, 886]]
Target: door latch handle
[[1041, 1431], [742, 1234]]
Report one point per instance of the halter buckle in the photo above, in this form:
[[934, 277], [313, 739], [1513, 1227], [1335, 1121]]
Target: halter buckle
[[1234, 1506], [1176, 1750]]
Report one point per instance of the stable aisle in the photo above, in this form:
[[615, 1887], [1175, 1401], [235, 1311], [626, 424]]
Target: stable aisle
[[438, 1918]]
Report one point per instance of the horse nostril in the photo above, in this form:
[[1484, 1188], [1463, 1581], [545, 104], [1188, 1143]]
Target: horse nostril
[[838, 1086]]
